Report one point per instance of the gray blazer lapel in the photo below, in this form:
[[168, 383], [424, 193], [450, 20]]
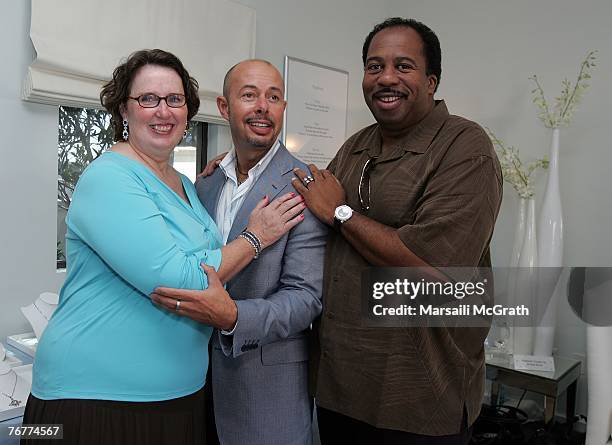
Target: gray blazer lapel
[[209, 190], [271, 183]]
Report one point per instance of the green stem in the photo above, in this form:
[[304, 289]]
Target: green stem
[[541, 91], [571, 98], [520, 173], [500, 144]]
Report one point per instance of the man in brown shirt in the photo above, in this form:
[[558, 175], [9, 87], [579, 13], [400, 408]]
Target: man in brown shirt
[[418, 188]]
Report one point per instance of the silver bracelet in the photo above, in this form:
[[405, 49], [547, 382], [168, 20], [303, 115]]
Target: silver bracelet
[[253, 241], [254, 238]]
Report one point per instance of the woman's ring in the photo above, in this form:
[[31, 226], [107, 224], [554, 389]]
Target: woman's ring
[[178, 305]]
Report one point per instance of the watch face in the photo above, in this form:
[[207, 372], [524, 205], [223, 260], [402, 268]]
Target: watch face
[[343, 213]]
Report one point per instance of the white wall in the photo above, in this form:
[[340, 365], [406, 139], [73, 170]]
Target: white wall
[[28, 179], [326, 32]]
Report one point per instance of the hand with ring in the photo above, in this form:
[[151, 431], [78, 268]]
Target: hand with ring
[[321, 190], [212, 306], [269, 221], [307, 180]]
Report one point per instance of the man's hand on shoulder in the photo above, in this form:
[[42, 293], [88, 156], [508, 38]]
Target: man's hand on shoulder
[[212, 165], [322, 192]]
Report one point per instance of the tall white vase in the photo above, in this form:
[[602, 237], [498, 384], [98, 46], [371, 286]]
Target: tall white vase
[[550, 225], [550, 251], [502, 329], [529, 251], [519, 232], [525, 288]]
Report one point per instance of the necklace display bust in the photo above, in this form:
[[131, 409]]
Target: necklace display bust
[[14, 390], [39, 312]]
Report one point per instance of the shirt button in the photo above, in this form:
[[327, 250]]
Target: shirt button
[[335, 278], [325, 354], [330, 315]]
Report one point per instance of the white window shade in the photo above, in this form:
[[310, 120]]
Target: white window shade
[[79, 43]]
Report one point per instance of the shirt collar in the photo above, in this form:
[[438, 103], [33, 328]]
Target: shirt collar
[[418, 139], [228, 164]]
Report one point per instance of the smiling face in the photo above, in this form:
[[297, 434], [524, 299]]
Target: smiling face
[[155, 131], [396, 87], [253, 105]]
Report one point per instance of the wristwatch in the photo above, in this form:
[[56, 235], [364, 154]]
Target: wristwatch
[[341, 215]]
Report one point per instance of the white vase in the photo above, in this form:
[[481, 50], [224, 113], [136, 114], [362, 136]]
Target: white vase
[[519, 232], [550, 225], [502, 331], [550, 252], [525, 287], [529, 250]]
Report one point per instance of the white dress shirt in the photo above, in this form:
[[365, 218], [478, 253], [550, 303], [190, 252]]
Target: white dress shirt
[[233, 194]]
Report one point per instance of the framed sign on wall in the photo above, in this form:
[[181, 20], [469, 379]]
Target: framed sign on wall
[[315, 118]]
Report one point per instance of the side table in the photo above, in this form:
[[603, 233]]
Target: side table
[[550, 384]]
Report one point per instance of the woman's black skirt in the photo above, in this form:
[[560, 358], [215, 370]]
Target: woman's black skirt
[[102, 422]]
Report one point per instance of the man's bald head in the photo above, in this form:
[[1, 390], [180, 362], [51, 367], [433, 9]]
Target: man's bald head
[[253, 103], [228, 76]]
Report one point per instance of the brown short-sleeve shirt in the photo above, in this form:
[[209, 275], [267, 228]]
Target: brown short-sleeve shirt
[[441, 187]]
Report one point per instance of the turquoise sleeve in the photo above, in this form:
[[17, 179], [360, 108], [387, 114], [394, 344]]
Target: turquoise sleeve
[[116, 216]]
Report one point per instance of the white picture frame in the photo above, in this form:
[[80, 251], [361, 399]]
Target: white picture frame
[[316, 113]]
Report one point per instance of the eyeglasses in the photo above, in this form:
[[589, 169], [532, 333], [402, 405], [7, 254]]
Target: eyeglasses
[[150, 100], [364, 184]]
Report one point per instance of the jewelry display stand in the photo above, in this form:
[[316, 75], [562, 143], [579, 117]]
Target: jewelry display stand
[[39, 313], [25, 343], [9, 358], [15, 385]]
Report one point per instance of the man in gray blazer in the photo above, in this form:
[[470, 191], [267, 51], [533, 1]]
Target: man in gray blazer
[[259, 367]]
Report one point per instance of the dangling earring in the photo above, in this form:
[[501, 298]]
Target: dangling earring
[[185, 132], [126, 133]]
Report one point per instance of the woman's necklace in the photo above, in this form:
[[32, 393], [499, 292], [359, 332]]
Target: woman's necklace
[[14, 401]]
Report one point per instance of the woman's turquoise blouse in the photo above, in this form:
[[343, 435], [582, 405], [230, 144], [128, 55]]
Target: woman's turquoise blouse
[[127, 234]]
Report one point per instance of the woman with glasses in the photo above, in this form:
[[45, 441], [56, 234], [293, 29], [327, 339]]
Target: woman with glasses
[[112, 367]]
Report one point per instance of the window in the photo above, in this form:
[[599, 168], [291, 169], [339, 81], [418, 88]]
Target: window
[[84, 134]]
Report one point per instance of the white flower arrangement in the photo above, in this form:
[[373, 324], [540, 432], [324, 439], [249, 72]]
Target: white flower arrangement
[[570, 97], [513, 170]]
